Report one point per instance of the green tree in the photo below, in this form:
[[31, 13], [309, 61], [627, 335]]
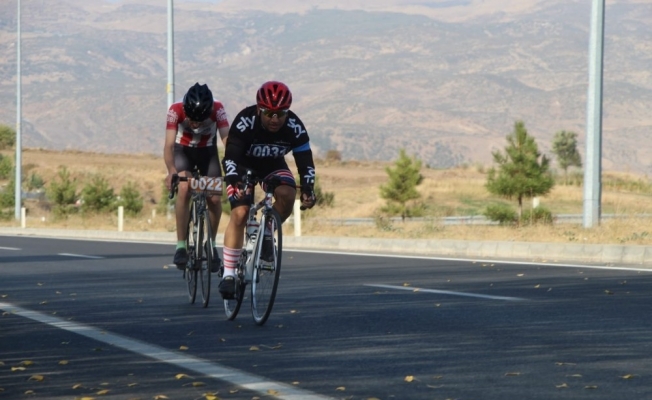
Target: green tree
[[8, 195], [7, 137], [98, 196], [62, 192], [34, 182], [6, 167], [131, 199], [564, 146], [520, 174], [402, 186]]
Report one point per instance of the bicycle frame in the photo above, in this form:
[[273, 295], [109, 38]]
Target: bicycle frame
[[266, 204], [200, 241]]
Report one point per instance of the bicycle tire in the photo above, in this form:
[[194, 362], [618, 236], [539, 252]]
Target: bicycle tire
[[232, 306], [206, 256], [191, 245], [266, 274]]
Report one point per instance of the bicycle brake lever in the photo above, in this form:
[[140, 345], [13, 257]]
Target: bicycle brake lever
[[173, 185]]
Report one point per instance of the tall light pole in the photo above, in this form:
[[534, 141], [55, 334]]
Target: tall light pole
[[18, 197], [170, 85], [593, 165]]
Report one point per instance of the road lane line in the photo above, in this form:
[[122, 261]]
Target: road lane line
[[9, 248], [471, 260], [421, 290], [255, 383], [80, 256]]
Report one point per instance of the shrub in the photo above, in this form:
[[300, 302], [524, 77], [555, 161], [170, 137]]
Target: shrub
[[538, 215], [324, 199], [63, 193], [501, 213], [98, 196], [6, 167], [8, 195], [166, 203], [131, 199], [7, 136], [34, 182]]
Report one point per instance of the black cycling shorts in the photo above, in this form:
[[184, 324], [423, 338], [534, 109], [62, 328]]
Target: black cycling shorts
[[279, 167], [205, 158]]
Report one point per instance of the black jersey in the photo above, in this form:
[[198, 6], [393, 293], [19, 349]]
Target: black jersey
[[252, 146]]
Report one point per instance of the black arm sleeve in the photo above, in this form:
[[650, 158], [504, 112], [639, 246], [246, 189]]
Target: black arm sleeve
[[233, 157], [306, 168]]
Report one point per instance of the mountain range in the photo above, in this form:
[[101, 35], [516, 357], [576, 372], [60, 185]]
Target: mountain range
[[444, 79]]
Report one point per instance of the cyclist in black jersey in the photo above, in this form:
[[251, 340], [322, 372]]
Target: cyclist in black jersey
[[259, 138]]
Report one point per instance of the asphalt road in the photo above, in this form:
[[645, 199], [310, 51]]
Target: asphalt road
[[107, 320]]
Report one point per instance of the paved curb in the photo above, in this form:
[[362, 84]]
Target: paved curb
[[531, 251]]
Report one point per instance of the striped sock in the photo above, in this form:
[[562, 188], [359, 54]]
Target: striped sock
[[231, 257]]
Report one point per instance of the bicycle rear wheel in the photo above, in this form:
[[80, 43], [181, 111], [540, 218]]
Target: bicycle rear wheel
[[266, 272], [232, 306], [205, 254], [191, 245]]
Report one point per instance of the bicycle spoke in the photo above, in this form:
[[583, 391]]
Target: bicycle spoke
[[206, 256], [191, 272], [267, 271]]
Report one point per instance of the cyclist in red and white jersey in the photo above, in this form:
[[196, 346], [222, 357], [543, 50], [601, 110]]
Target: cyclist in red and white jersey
[[191, 140]]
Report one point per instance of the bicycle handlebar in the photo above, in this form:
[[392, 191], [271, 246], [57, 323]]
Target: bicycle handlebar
[[250, 179], [173, 185]]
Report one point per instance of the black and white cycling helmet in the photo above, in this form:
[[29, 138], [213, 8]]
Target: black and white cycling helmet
[[198, 102]]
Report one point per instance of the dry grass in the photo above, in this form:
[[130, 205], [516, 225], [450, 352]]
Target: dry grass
[[355, 185]]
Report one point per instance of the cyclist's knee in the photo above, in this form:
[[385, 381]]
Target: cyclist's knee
[[214, 202], [182, 192], [284, 202], [239, 214]]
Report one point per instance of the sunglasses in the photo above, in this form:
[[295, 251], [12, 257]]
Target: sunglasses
[[271, 113]]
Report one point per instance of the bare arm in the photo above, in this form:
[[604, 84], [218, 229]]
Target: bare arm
[[168, 155], [224, 133]]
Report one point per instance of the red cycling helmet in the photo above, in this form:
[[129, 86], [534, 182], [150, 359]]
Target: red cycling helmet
[[274, 95]]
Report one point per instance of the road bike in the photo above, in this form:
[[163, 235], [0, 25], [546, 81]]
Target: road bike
[[199, 237], [263, 223]]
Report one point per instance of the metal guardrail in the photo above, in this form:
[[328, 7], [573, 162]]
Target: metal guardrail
[[471, 219]]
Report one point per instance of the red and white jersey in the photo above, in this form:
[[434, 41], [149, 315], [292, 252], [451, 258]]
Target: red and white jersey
[[205, 134]]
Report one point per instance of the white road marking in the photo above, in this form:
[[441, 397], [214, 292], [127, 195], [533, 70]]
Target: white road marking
[[80, 256], [472, 260], [245, 380], [9, 248], [421, 290]]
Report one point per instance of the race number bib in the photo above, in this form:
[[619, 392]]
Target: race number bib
[[209, 184]]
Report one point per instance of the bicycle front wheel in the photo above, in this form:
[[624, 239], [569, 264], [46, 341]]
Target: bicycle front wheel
[[267, 267], [191, 246], [205, 254]]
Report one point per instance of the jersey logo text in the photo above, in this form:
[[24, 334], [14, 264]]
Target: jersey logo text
[[245, 123], [297, 128], [230, 168]]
